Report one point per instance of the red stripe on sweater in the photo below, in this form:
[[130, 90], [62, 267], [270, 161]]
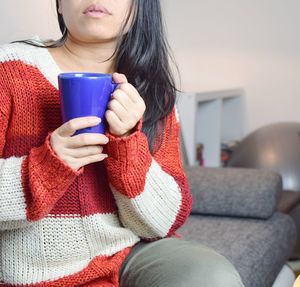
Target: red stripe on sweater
[[94, 196], [36, 108]]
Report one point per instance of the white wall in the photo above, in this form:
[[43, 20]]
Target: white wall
[[218, 44], [254, 44], [22, 19]]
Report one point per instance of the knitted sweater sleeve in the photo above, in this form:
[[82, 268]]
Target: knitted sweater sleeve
[[29, 185], [151, 192]]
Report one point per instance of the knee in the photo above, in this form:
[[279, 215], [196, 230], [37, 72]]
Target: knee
[[217, 271], [202, 267]]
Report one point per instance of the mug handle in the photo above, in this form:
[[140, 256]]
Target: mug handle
[[113, 87]]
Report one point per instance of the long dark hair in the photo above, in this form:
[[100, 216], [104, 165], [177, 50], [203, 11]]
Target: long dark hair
[[142, 54]]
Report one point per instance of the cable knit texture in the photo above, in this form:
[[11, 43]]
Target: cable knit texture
[[60, 227]]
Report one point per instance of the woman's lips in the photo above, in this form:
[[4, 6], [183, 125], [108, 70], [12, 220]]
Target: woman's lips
[[96, 11]]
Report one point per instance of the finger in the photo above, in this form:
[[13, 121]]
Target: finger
[[119, 78], [92, 159], [82, 140], [123, 99], [85, 151], [119, 110], [70, 127], [135, 107], [131, 91], [114, 122]]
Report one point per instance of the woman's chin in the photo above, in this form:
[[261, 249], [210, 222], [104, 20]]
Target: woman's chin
[[89, 37]]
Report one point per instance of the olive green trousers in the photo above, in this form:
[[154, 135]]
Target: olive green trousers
[[173, 262]]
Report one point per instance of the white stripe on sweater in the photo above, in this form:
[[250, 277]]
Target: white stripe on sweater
[[56, 247], [152, 213], [12, 199]]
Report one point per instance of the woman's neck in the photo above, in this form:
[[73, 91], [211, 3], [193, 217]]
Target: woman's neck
[[84, 57]]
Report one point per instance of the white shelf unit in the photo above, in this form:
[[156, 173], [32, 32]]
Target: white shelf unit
[[210, 118]]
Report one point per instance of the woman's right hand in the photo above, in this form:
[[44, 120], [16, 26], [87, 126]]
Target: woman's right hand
[[80, 150]]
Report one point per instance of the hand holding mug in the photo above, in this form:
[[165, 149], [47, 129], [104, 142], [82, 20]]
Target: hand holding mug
[[82, 149], [125, 108]]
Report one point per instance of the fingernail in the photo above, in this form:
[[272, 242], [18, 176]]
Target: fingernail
[[96, 120]]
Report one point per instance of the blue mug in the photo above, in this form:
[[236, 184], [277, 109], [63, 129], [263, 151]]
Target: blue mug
[[85, 94]]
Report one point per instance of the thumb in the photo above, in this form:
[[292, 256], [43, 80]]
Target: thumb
[[119, 78]]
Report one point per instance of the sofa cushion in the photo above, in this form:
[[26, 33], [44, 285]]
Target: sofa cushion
[[234, 191], [257, 248]]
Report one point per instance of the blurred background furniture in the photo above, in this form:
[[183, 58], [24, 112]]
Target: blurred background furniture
[[276, 147], [234, 212], [223, 110]]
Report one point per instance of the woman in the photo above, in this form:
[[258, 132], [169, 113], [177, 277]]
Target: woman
[[78, 210]]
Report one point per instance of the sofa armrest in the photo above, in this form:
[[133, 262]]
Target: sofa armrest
[[234, 191]]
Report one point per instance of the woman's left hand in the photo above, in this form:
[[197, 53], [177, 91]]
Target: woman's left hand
[[125, 108]]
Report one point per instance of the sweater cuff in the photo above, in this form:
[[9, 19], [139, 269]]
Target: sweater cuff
[[126, 148], [52, 167], [45, 179]]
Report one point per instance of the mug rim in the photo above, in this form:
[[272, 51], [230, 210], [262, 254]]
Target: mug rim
[[83, 75]]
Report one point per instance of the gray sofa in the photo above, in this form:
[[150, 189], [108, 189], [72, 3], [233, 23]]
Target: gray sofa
[[234, 212]]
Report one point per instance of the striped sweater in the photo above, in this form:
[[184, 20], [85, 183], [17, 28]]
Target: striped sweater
[[60, 227]]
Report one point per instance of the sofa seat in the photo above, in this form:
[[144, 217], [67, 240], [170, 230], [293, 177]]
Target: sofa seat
[[258, 248]]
